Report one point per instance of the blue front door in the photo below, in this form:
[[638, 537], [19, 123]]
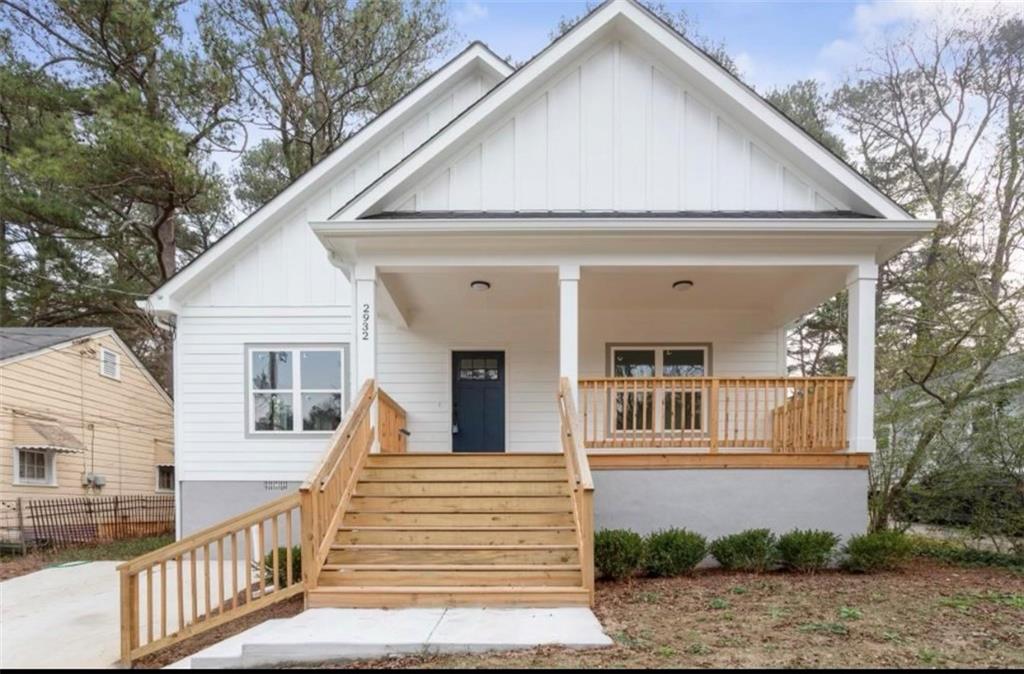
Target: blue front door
[[478, 401]]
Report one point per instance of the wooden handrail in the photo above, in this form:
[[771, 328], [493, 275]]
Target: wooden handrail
[[225, 582], [791, 414], [226, 585], [329, 486], [581, 482]]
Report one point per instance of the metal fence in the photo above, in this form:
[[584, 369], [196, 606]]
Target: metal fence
[[60, 522]]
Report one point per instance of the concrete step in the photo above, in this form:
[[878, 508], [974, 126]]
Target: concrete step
[[325, 635]]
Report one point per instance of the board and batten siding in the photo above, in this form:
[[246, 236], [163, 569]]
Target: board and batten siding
[[126, 424], [617, 130], [281, 289]]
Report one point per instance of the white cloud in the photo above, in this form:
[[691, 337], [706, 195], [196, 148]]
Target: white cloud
[[469, 12], [872, 20], [746, 65]]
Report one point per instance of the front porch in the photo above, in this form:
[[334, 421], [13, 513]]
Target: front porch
[[656, 372]]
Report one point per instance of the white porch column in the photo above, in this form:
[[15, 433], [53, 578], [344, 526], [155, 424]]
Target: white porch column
[[568, 325], [860, 357], [364, 334]]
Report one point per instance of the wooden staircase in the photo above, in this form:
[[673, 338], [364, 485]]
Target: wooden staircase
[[456, 530], [381, 528]]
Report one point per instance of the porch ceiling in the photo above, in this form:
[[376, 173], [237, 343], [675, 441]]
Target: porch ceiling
[[782, 292]]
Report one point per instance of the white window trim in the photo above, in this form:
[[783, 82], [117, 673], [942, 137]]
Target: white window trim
[[295, 392], [657, 411], [117, 363], [51, 468], [156, 470]]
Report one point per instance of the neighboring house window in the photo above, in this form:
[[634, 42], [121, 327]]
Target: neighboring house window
[[110, 363], [295, 389], [34, 466], [165, 478], [673, 411]]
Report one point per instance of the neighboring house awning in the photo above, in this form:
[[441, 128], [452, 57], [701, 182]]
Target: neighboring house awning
[[48, 435]]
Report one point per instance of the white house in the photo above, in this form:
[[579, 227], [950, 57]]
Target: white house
[[620, 212]]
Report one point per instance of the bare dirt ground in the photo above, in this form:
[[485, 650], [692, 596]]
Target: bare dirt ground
[[928, 615], [14, 565]]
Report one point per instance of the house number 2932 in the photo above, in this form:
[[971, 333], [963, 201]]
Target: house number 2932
[[365, 323]]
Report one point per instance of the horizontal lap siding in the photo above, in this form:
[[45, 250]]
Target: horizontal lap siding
[[414, 368], [211, 394], [125, 424], [742, 342]]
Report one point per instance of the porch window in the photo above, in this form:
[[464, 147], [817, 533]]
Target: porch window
[[295, 389], [638, 410]]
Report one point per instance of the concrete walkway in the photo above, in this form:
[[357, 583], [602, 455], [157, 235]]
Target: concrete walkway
[[70, 616], [329, 634], [61, 617]]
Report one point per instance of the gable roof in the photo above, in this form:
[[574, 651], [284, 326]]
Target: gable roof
[[629, 15], [18, 344], [21, 341], [475, 55]]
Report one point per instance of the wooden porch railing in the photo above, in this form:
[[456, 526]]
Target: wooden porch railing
[[246, 563], [783, 414], [392, 434], [581, 483], [330, 485], [209, 578]]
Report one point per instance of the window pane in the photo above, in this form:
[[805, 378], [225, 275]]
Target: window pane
[[32, 466], [166, 477], [683, 411], [271, 369], [321, 370], [634, 363], [684, 363], [321, 411], [273, 411], [634, 411]]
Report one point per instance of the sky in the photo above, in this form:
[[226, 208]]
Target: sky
[[774, 42]]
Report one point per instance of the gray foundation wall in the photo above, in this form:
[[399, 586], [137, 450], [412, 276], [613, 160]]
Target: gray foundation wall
[[204, 504], [709, 501], [719, 502]]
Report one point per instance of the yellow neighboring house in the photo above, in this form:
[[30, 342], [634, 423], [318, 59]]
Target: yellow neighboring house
[[80, 415]]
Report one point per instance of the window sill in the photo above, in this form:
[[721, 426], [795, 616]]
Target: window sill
[[49, 485]]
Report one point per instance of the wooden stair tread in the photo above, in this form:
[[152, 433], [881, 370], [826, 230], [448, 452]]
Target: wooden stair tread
[[427, 546], [476, 527], [451, 567], [447, 589]]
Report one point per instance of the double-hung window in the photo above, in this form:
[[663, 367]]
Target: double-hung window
[[659, 405], [34, 466], [295, 389]]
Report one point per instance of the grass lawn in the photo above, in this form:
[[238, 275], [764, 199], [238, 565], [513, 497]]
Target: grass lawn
[[14, 565], [928, 615]]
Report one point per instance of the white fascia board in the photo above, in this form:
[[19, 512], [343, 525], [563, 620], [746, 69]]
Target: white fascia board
[[164, 300], [887, 237], [624, 225], [614, 13]]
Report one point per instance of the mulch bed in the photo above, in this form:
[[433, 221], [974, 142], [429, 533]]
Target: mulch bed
[[928, 615]]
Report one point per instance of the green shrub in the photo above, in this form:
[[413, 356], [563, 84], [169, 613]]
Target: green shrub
[[751, 550], [282, 565], [878, 551], [674, 552], [951, 552], [807, 551], [618, 553]]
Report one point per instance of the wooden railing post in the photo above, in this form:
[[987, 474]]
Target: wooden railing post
[[713, 418], [586, 513], [309, 540], [129, 615]]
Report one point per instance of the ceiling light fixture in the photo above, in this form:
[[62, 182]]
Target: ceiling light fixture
[[682, 286], [480, 285]]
